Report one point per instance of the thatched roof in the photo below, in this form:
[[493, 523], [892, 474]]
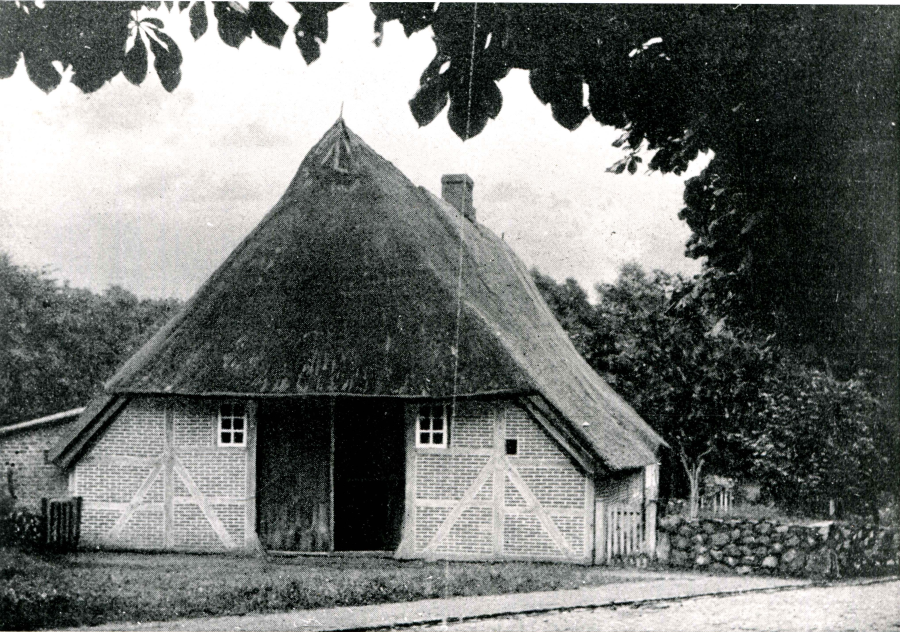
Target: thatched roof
[[350, 286]]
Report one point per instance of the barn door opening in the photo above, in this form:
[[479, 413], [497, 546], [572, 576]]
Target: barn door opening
[[293, 475], [369, 474]]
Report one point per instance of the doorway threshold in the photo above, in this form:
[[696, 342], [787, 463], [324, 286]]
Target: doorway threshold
[[331, 553]]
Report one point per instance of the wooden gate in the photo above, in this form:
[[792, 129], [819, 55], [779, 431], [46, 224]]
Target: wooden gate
[[293, 480], [621, 533], [62, 523]]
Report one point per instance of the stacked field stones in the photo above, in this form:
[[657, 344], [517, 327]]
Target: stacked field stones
[[761, 546]]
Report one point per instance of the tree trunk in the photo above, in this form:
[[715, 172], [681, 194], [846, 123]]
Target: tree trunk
[[694, 498], [693, 473]]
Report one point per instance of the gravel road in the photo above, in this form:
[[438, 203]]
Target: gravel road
[[833, 608]]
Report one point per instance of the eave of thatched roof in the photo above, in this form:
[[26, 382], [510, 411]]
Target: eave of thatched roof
[[352, 285], [94, 418]]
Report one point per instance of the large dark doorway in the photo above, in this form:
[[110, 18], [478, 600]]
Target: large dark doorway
[[305, 445], [369, 475], [293, 474]]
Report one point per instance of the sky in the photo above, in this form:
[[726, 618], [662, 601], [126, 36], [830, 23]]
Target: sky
[[148, 190]]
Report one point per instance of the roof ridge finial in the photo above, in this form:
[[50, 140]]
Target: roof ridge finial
[[339, 155]]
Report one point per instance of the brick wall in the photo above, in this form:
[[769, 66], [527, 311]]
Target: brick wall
[[553, 480], [23, 453], [110, 475], [123, 480], [540, 496]]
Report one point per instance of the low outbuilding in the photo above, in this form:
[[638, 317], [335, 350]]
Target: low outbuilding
[[27, 474]]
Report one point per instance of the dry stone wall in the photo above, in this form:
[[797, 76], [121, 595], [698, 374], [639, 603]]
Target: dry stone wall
[[764, 547]]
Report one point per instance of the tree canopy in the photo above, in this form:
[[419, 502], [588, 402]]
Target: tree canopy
[[728, 400], [816, 438], [58, 344], [692, 378], [796, 213]]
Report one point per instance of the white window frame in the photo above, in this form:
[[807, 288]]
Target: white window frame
[[425, 430], [237, 437]]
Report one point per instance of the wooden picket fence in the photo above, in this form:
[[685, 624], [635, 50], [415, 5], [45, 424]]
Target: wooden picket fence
[[719, 503], [62, 523], [623, 535]]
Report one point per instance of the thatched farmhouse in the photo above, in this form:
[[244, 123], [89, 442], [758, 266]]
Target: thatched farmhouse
[[369, 370]]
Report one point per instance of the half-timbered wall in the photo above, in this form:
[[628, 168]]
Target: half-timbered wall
[[471, 500], [157, 479]]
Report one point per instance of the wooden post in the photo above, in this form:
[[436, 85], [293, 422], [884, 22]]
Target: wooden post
[[251, 538], [79, 501], [70, 526], [589, 520], [408, 539], [651, 496], [331, 476], [45, 514], [62, 510], [599, 532], [51, 524], [498, 482], [615, 545], [169, 479], [633, 545]]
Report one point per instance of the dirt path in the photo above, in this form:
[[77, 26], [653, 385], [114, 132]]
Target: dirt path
[[833, 608]]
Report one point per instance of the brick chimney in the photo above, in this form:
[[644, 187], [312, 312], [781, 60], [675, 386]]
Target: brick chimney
[[456, 188]]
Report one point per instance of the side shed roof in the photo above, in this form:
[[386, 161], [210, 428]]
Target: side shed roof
[[40, 422]]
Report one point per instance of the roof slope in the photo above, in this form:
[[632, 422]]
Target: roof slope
[[350, 285], [40, 422]]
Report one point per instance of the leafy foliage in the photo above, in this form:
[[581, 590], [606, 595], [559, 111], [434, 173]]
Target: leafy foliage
[[20, 527], [795, 214], [730, 398], [58, 343], [683, 370], [311, 28], [694, 378], [818, 438], [93, 37], [87, 36]]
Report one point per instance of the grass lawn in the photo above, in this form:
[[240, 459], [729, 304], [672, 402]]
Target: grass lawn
[[41, 591]]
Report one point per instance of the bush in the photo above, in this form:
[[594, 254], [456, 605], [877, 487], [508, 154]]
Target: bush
[[19, 526]]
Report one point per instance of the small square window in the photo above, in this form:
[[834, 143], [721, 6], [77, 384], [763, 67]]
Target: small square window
[[232, 421], [512, 447], [432, 424]]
